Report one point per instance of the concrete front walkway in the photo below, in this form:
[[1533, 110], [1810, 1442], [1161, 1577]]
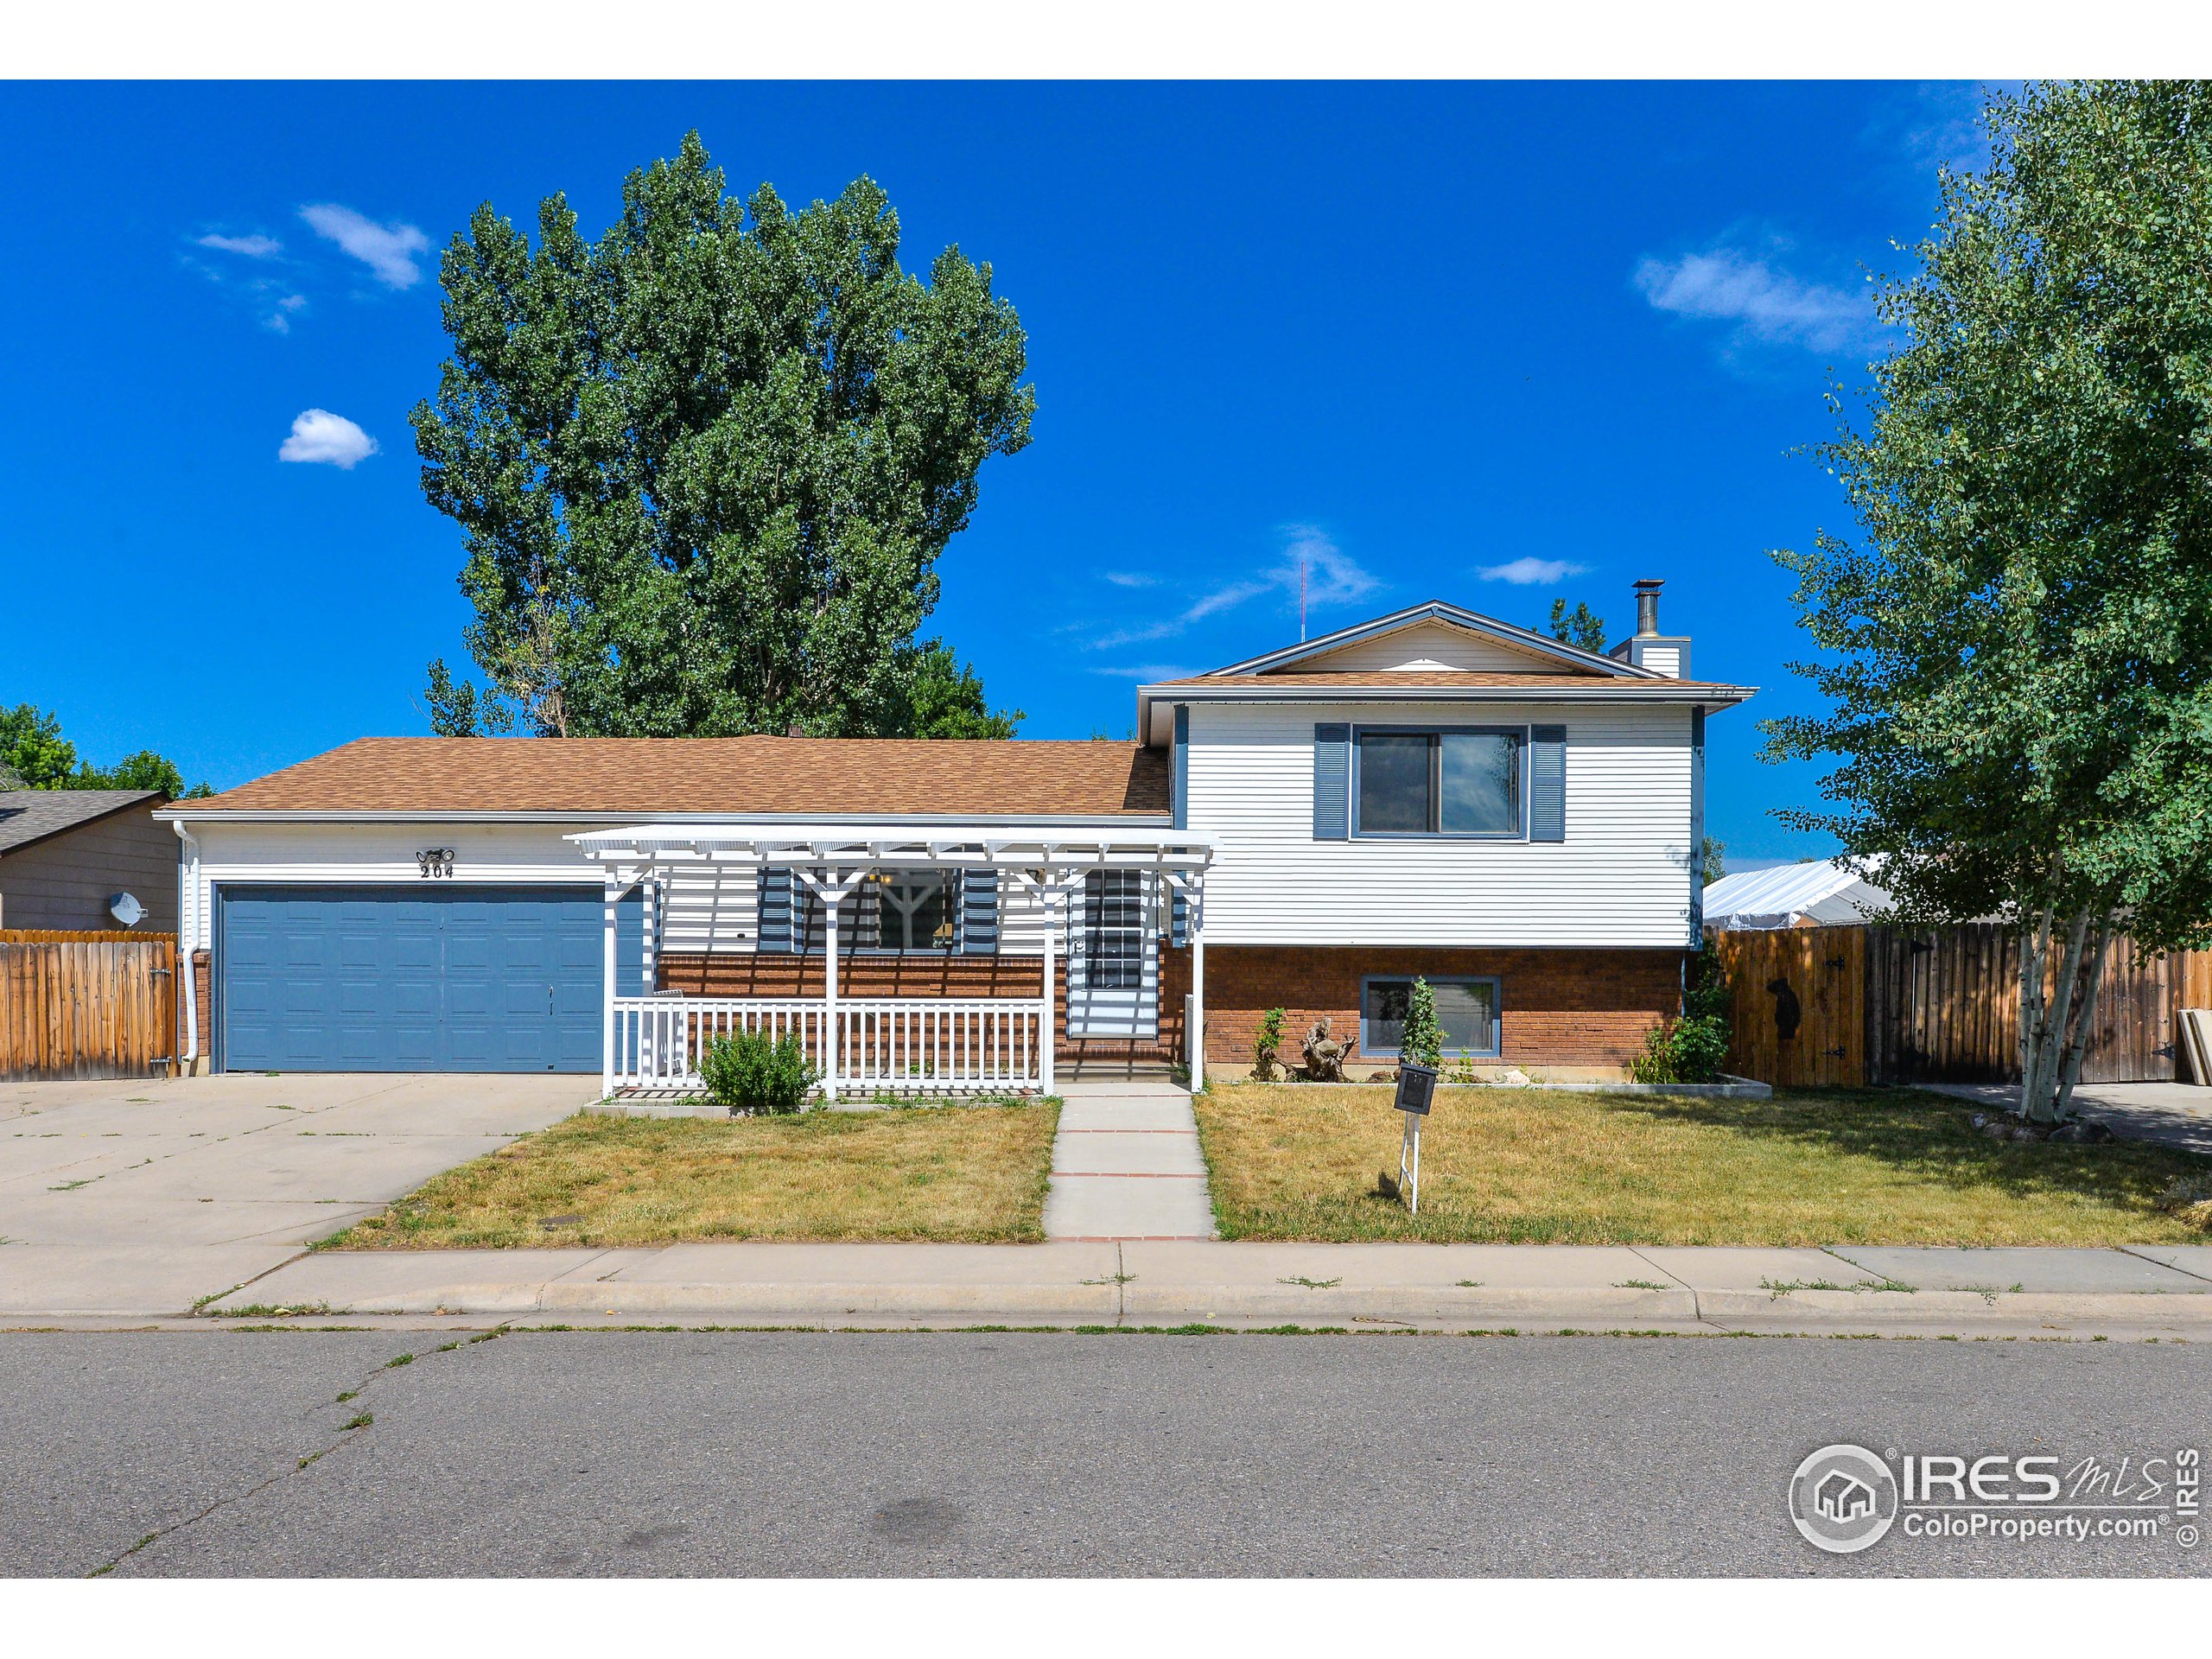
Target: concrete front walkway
[[142, 1196], [1126, 1165]]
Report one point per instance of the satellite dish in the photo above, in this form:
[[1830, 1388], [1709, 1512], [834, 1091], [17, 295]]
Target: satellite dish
[[126, 909]]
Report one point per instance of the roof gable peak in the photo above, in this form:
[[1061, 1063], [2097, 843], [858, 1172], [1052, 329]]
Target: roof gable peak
[[1436, 614]]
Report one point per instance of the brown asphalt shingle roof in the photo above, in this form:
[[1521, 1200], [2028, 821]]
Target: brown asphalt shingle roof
[[649, 776]]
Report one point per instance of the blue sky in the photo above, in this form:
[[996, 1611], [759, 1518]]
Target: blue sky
[[1432, 337]]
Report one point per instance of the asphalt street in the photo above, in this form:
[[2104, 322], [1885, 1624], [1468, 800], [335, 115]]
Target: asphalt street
[[229, 1452]]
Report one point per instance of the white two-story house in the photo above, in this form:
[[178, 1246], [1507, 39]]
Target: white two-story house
[[1432, 793]]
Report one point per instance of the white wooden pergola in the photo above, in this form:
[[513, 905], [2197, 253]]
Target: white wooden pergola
[[653, 1041]]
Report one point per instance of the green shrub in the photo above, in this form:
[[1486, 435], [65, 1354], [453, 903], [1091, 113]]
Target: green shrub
[[1267, 1044], [1693, 1048], [749, 1071], [1422, 1043]]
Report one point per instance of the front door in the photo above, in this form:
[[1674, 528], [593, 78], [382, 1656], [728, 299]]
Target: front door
[[1113, 959]]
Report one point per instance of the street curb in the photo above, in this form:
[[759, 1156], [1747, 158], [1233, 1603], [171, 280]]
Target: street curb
[[1424, 1307]]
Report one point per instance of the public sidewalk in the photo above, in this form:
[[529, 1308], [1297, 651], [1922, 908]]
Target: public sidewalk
[[2161, 1291]]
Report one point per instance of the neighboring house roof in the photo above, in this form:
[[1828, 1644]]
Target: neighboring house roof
[[32, 815], [652, 777], [1792, 895]]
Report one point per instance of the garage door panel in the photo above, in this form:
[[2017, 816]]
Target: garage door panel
[[489, 979]]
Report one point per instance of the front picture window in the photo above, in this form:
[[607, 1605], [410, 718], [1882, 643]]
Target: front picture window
[[1442, 783], [893, 911], [914, 911]]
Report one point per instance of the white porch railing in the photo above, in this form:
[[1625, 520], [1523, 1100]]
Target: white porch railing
[[898, 1045]]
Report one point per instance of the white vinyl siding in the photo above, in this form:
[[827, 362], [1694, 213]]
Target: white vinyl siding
[[1620, 878], [1430, 646], [1664, 659]]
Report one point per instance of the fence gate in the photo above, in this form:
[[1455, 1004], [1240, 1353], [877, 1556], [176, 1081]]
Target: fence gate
[[87, 1005], [1799, 1018], [1935, 1005]]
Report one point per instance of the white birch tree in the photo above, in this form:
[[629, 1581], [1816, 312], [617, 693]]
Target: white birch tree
[[2017, 647]]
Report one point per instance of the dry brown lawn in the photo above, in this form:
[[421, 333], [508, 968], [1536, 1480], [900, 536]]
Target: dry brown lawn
[[1537, 1167], [965, 1173]]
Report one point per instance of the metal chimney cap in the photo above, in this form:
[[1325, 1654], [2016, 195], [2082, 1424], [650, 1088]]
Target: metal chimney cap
[[1647, 606]]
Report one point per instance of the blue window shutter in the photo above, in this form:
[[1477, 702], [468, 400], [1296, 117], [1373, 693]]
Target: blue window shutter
[[773, 885], [1179, 789], [1547, 783], [1697, 827], [1178, 920], [1331, 781], [979, 913]]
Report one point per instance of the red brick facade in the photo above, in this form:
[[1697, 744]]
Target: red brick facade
[[745, 972], [1557, 1007]]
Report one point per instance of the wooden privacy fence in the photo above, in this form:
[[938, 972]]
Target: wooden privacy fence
[[1882, 1003], [87, 1005]]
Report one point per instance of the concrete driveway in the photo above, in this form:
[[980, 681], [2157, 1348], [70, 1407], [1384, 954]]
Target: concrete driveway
[[2172, 1114], [136, 1195]]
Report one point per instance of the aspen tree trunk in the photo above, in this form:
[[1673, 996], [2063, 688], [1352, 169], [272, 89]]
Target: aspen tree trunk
[[2054, 1027]]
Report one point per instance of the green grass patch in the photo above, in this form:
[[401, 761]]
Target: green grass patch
[[969, 1174], [1537, 1167]]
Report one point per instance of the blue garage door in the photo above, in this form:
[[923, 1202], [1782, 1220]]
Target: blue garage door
[[415, 979]]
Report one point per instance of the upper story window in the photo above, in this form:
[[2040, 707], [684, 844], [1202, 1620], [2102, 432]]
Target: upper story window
[[1447, 781]]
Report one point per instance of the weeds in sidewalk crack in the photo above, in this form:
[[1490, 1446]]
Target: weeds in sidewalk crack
[[1311, 1284]]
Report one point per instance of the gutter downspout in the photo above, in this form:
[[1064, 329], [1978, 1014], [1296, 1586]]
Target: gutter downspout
[[188, 910]]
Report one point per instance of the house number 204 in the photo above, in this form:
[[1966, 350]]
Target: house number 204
[[435, 862]]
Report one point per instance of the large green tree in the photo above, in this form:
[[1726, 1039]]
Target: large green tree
[[33, 754], [704, 466], [2018, 643]]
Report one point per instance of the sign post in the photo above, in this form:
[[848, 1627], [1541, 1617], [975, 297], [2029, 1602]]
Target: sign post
[[1416, 1092]]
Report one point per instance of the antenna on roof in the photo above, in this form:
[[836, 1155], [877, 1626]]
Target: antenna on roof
[[1302, 599]]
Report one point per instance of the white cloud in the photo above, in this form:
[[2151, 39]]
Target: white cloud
[[1130, 578], [1153, 672], [1770, 306], [253, 247], [1526, 572], [318, 434], [388, 250], [1332, 577]]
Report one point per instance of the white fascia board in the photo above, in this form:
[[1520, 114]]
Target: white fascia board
[[178, 812], [1656, 689]]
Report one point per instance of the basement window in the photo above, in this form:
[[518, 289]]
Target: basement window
[[1467, 1012]]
